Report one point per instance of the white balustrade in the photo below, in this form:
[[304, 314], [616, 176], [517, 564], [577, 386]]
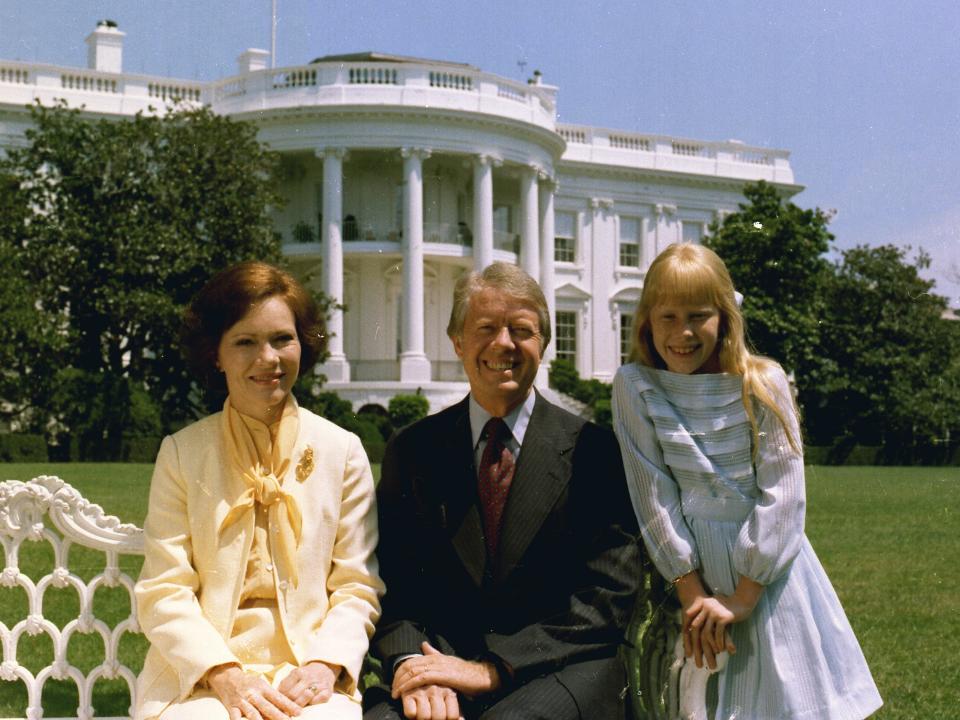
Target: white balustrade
[[728, 158], [48, 510]]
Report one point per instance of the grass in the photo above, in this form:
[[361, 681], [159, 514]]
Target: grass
[[888, 540], [886, 536]]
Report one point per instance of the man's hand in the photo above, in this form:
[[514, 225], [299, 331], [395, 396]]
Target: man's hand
[[311, 684], [249, 696], [431, 702], [435, 668]]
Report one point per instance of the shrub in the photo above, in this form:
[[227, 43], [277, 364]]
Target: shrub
[[593, 393], [406, 409], [23, 447], [564, 377], [381, 421], [141, 449], [328, 405]]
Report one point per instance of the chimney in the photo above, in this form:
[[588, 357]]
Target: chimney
[[105, 48], [252, 60]]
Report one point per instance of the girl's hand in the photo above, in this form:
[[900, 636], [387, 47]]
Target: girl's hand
[[705, 630], [311, 684], [249, 696], [706, 619]]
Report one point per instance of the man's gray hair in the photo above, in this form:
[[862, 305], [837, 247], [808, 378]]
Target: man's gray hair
[[507, 279]]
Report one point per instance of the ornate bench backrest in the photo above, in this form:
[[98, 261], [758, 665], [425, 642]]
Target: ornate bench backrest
[[24, 511]]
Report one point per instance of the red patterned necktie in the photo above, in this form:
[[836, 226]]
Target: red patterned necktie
[[493, 481]]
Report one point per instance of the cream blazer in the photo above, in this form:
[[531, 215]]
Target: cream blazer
[[189, 589]]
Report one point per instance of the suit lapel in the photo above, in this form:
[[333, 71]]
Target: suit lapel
[[457, 489], [542, 474]]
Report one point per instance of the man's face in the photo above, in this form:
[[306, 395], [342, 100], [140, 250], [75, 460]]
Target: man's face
[[500, 350]]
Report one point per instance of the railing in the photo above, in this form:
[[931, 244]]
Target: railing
[[452, 81], [303, 77], [13, 75], [89, 83], [507, 241], [729, 158], [48, 512], [447, 233], [372, 76], [166, 91], [374, 370]]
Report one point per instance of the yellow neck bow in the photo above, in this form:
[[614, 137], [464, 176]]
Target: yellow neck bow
[[262, 456]]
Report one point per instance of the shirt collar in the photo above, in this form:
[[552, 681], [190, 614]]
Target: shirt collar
[[517, 419]]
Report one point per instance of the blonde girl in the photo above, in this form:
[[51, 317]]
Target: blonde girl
[[711, 443]]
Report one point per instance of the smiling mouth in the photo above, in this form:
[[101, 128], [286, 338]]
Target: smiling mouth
[[684, 350], [266, 379], [500, 365]]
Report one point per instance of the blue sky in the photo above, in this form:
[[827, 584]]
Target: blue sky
[[864, 94]]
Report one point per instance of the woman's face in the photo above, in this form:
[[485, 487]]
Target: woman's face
[[260, 357], [685, 336]]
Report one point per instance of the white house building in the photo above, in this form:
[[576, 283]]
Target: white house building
[[404, 173]]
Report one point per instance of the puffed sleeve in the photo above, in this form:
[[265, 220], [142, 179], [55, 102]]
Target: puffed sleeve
[[166, 593], [653, 491], [772, 534], [353, 583]]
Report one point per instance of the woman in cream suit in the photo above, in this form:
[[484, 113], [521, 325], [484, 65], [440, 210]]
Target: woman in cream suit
[[259, 590]]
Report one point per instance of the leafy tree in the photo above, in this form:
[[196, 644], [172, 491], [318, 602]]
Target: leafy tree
[[894, 377], [775, 252], [110, 227]]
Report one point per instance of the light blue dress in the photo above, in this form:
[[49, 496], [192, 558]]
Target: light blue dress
[[704, 503]]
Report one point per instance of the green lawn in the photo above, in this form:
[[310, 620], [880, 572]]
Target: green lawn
[[887, 537]]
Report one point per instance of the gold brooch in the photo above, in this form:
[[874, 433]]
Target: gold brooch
[[305, 466]]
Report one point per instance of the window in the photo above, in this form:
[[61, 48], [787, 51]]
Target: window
[[692, 231], [626, 324], [566, 336], [629, 242], [564, 241]]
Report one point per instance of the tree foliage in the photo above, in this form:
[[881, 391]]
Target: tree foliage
[[895, 377], [775, 252], [874, 361], [109, 228]]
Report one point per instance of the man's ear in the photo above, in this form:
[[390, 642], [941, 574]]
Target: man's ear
[[457, 345]]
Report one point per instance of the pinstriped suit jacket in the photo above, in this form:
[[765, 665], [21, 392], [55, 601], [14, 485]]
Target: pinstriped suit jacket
[[569, 563]]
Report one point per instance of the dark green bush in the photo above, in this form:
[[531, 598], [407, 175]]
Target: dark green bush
[[23, 447], [593, 393], [141, 449], [382, 423], [406, 409]]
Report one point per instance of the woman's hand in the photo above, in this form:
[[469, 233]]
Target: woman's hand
[[311, 684], [249, 696]]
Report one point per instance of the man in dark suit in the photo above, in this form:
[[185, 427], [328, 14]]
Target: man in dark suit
[[507, 539]]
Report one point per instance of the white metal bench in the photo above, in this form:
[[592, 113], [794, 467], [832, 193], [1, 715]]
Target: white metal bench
[[664, 687], [24, 509]]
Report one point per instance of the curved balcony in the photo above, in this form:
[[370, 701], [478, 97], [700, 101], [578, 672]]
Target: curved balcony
[[376, 83], [440, 239]]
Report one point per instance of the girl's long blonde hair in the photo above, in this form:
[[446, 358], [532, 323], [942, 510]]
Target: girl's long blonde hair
[[686, 273]]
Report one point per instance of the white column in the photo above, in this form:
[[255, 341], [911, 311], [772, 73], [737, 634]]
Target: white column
[[483, 211], [529, 217], [548, 187], [336, 367], [648, 240], [665, 234], [414, 365], [604, 354]]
